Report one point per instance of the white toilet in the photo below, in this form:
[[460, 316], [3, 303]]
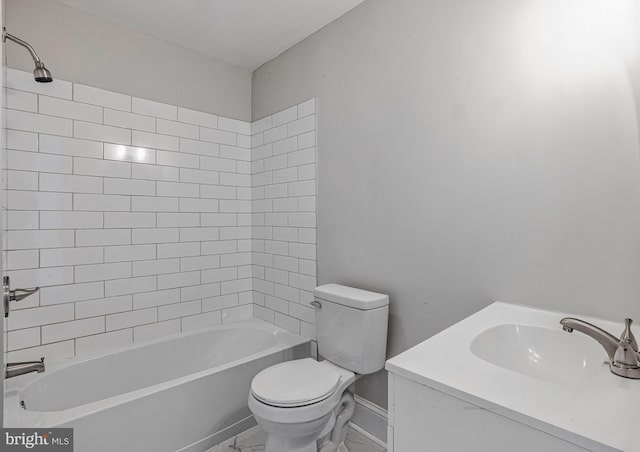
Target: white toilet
[[305, 405]]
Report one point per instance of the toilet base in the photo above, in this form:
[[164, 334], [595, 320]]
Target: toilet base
[[326, 434], [275, 445], [278, 446], [331, 448], [302, 438]]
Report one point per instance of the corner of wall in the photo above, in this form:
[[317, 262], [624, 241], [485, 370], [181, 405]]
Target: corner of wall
[[283, 205]]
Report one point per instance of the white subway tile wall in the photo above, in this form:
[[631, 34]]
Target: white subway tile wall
[[134, 217], [283, 218]]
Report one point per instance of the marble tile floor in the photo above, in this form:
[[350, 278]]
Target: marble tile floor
[[253, 441]]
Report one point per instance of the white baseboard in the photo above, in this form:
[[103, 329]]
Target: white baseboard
[[370, 420]]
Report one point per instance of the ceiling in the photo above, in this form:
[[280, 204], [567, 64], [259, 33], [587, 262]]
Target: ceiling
[[245, 33]]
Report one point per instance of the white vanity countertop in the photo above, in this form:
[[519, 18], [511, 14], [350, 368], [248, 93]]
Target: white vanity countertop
[[599, 412]]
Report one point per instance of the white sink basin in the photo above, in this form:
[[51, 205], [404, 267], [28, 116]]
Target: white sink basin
[[544, 353]]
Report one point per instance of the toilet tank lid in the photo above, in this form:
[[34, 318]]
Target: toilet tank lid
[[350, 296]]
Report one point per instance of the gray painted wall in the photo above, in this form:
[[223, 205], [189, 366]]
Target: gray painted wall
[[457, 166], [85, 49]]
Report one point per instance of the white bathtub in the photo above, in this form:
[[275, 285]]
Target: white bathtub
[[187, 392]]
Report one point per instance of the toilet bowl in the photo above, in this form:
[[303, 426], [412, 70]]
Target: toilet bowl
[[305, 405]]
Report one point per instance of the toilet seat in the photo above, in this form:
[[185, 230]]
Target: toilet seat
[[295, 383]]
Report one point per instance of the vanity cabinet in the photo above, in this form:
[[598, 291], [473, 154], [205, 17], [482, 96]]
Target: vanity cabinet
[[422, 419], [509, 379]]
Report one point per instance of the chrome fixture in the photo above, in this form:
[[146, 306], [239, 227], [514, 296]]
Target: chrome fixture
[[14, 295], [624, 359], [40, 73], [15, 369]]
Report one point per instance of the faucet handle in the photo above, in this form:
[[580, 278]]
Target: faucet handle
[[627, 335], [626, 356]]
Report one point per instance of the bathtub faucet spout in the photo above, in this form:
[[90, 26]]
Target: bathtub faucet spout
[[15, 369]]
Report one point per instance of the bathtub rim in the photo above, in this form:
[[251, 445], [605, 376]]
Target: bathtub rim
[[14, 416]]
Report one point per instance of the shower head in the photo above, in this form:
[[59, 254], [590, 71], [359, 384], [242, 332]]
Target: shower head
[[41, 74]]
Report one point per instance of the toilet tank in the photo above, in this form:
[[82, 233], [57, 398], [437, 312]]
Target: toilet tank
[[351, 327]]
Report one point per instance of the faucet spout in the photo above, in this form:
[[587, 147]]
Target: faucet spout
[[15, 369], [624, 358], [607, 340]]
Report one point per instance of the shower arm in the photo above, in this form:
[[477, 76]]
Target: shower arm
[[26, 45]]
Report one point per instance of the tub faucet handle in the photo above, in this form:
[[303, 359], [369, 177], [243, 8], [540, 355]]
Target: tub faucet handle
[[21, 294], [14, 295]]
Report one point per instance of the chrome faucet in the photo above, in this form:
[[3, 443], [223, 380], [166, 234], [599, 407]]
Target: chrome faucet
[[624, 358], [15, 369]]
